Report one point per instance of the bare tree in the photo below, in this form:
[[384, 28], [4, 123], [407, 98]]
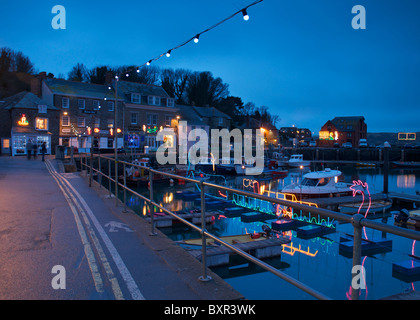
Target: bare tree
[[203, 89], [174, 82], [78, 73]]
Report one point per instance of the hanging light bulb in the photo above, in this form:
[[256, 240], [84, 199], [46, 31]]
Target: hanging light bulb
[[168, 54], [196, 38], [126, 75], [109, 88], [116, 77], [149, 62], [246, 16], [138, 69]]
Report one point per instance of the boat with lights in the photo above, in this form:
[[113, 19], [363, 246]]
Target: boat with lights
[[320, 184], [296, 161]]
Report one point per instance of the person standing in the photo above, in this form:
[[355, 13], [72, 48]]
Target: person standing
[[35, 149], [43, 150], [29, 149]]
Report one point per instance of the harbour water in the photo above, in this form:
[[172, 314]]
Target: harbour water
[[316, 262]]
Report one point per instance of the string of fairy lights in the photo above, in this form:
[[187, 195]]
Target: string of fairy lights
[[194, 39]]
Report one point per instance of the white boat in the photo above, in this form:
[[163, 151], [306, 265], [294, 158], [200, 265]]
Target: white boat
[[320, 184], [296, 160]]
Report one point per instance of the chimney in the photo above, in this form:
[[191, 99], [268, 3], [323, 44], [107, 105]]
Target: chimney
[[36, 84], [108, 77]]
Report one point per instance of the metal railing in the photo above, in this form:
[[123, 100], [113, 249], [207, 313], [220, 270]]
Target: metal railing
[[358, 221]]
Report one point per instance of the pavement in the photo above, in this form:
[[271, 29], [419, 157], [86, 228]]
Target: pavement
[[63, 240]]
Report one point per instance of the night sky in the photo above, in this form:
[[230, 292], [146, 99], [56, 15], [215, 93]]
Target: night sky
[[300, 58]]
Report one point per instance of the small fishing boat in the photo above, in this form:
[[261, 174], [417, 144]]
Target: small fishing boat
[[278, 160], [296, 161], [375, 206]]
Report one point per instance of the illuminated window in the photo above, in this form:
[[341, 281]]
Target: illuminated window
[[110, 123], [41, 123]]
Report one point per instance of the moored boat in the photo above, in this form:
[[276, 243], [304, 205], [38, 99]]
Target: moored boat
[[319, 184], [296, 161]]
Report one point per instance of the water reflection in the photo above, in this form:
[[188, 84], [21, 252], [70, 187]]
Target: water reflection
[[317, 261]]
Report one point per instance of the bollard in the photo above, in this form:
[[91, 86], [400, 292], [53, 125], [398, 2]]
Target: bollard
[[204, 277], [357, 249]]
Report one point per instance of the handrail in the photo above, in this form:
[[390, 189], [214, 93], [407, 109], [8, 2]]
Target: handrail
[[358, 221]]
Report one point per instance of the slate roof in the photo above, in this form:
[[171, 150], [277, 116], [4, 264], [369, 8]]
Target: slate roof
[[80, 89], [24, 100], [127, 88], [210, 112], [188, 114]]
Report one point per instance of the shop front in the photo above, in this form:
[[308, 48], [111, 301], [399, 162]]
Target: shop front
[[20, 137]]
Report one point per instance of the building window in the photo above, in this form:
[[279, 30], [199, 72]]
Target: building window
[[81, 123], [110, 106], [168, 120], [135, 98], [152, 119], [110, 123], [65, 121], [97, 122], [170, 102], [41, 124], [81, 104], [65, 103], [95, 105], [42, 108], [152, 100], [134, 117]]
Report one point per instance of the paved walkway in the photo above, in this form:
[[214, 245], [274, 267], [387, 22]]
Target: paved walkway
[[60, 239]]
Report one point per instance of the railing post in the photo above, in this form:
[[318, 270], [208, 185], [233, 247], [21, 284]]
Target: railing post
[[109, 178], [204, 277], [151, 207], [357, 252], [99, 172], [91, 168], [125, 189], [116, 183]]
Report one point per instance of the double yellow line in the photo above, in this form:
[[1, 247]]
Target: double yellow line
[[79, 214]]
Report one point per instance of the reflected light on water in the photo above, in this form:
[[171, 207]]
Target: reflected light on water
[[406, 181]]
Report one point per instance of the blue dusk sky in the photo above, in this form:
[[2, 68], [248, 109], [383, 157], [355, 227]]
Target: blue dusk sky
[[302, 58]]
